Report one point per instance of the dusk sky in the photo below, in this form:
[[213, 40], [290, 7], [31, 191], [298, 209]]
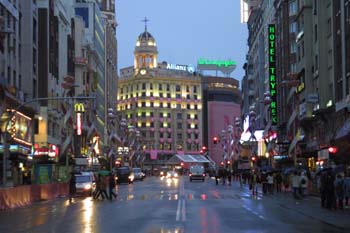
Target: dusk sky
[[185, 30]]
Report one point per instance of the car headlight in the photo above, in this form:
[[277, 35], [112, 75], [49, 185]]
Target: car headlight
[[87, 186], [175, 175], [131, 177]]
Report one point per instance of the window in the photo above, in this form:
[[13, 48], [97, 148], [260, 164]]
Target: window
[[178, 106], [143, 104], [195, 89], [169, 105], [151, 134], [315, 32], [179, 136], [143, 114], [178, 88], [179, 126], [161, 135], [151, 86], [293, 27], [168, 95], [168, 87], [292, 8], [188, 106], [143, 86], [179, 116], [187, 88], [188, 96], [293, 47], [195, 97], [160, 86], [143, 125], [178, 96]]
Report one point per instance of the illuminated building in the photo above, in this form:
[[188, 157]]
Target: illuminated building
[[163, 101]]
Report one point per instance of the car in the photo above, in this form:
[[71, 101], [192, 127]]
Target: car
[[138, 174], [172, 174], [163, 172], [197, 173], [124, 174], [85, 183]]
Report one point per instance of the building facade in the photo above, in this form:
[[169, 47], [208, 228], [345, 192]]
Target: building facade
[[163, 101], [220, 95]]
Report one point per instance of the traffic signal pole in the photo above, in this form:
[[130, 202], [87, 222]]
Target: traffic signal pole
[[7, 137]]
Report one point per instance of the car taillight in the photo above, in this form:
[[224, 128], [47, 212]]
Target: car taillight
[[190, 174], [203, 174]]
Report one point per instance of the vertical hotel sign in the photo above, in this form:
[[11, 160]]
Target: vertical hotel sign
[[272, 72]]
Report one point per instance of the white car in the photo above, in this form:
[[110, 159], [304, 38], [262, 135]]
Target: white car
[[138, 174], [85, 183], [197, 173]]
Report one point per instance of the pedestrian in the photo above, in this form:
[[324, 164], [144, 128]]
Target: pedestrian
[[111, 186], [253, 183], [278, 182], [339, 191], [295, 184], [330, 191], [269, 179], [216, 175], [303, 184], [72, 187], [229, 175], [323, 189], [347, 189], [101, 187]]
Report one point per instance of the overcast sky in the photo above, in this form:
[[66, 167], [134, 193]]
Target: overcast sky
[[185, 30]]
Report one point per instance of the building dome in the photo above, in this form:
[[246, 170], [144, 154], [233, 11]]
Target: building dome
[[145, 51]]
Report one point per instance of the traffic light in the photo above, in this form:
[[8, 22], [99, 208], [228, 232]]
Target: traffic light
[[332, 150], [215, 140], [228, 162]]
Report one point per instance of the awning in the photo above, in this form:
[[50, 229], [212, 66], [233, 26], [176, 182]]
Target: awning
[[189, 159]]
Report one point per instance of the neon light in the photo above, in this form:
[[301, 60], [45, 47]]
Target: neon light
[[78, 123], [218, 63], [272, 72]]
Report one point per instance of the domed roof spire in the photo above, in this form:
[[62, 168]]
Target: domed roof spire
[[145, 20]]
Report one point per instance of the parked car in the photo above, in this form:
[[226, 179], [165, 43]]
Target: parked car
[[138, 174], [85, 183], [163, 171], [124, 174], [197, 173]]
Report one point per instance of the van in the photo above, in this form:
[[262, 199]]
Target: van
[[197, 172]]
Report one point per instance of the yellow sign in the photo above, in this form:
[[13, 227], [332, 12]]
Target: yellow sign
[[79, 107]]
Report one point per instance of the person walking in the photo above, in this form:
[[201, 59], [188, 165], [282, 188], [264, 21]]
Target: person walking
[[72, 187], [347, 189], [270, 182], [303, 184], [295, 184], [323, 189], [253, 183], [111, 187], [101, 187], [339, 191], [278, 179], [216, 175]]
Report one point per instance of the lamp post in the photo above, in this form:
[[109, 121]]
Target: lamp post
[[7, 137]]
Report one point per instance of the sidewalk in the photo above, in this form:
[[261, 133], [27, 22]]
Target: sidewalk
[[310, 206]]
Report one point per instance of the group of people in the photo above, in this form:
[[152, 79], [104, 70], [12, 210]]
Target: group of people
[[103, 183], [334, 190]]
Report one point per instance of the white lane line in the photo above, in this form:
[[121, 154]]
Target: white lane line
[[253, 212], [178, 210], [183, 212]]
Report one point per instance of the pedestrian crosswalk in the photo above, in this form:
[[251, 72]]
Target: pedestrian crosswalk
[[188, 196]]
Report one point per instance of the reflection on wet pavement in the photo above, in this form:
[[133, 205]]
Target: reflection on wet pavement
[[165, 230], [87, 215]]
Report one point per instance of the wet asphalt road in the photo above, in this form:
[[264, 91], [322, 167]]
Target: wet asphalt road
[[167, 206]]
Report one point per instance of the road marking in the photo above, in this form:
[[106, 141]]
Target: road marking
[[183, 211], [253, 212], [178, 210]]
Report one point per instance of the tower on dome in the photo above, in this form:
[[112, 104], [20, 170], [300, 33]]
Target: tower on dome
[[146, 52]]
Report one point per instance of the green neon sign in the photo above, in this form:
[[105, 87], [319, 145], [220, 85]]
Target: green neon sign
[[217, 63], [272, 72]]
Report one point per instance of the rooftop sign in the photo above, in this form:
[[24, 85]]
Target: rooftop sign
[[189, 69], [225, 66]]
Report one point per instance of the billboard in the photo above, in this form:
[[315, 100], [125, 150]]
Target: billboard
[[220, 116]]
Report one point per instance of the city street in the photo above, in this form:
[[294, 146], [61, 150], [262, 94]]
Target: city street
[[169, 206]]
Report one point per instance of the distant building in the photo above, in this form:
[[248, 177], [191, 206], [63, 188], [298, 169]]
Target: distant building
[[221, 107], [163, 101]]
